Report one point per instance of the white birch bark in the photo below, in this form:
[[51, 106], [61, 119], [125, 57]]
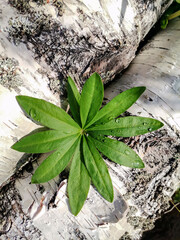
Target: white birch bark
[[41, 44], [140, 195], [41, 211]]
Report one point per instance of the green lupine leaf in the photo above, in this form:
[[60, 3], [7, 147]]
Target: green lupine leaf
[[91, 98], [117, 106], [127, 126], [97, 170], [78, 183], [118, 152], [56, 162], [74, 100], [46, 113], [42, 142], [74, 142]]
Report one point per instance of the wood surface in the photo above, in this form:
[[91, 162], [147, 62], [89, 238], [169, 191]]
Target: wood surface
[[35, 62]]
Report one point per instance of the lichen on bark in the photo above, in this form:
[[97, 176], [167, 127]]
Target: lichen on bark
[[9, 76], [14, 223]]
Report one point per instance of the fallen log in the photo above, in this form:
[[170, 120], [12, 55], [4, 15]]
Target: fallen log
[[41, 211], [42, 43], [141, 196]]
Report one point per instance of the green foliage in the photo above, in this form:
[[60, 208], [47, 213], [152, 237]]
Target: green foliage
[[176, 196], [172, 12], [76, 140]]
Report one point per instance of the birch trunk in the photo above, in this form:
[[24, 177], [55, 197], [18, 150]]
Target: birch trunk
[[41, 211], [42, 43]]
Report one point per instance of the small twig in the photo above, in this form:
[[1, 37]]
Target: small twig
[[174, 206], [174, 15], [68, 108]]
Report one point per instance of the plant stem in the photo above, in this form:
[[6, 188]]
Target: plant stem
[[175, 206], [174, 15]]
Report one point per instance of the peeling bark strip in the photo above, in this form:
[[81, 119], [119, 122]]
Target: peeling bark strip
[[14, 223]]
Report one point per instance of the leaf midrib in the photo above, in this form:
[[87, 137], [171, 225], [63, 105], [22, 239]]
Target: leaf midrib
[[91, 95], [53, 117], [57, 159], [99, 171], [99, 116], [123, 154], [115, 127], [91, 129], [44, 141]]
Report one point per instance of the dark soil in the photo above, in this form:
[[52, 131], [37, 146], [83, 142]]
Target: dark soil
[[166, 228]]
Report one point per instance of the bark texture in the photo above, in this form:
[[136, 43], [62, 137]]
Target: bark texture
[[41, 211], [79, 37], [41, 43], [51, 41]]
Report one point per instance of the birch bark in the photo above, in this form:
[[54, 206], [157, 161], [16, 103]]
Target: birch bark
[[41, 43], [37, 65]]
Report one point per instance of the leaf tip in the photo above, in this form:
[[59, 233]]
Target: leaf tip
[[15, 147], [69, 79], [143, 88], [96, 74], [75, 213], [18, 97], [111, 198], [140, 165], [74, 208], [161, 124], [34, 179]]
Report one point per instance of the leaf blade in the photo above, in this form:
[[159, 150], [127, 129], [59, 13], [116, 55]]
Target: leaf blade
[[55, 163], [78, 183], [127, 126], [74, 100], [117, 105], [46, 113], [42, 142], [91, 98], [118, 152], [97, 170]]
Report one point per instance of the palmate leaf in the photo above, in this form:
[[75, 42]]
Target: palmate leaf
[[127, 126], [117, 106], [75, 141], [42, 142], [56, 162], [117, 152], [74, 100], [97, 169], [46, 113], [78, 182], [91, 98]]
